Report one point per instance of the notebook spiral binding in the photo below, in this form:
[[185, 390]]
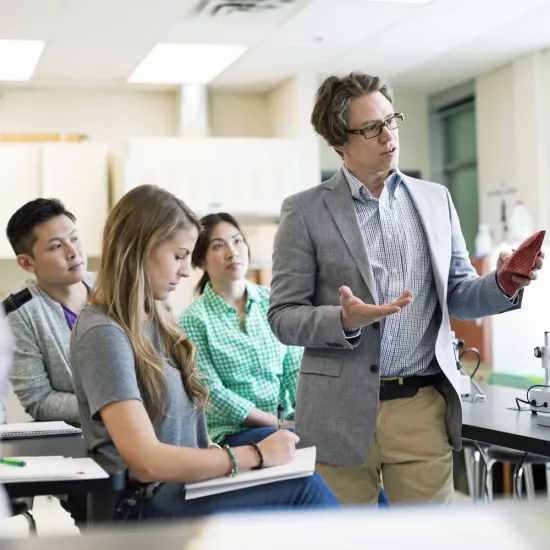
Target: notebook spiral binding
[[25, 435]]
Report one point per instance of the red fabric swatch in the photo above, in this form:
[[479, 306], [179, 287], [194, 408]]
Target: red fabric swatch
[[520, 262]]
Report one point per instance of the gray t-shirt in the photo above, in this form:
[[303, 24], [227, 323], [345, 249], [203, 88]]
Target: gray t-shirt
[[104, 372]]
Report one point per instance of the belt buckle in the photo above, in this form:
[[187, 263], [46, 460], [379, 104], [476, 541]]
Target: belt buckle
[[399, 379]]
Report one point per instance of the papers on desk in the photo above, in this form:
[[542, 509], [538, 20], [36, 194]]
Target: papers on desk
[[48, 468], [303, 465], [37, 429]]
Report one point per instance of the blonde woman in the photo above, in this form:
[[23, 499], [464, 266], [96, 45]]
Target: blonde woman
[[141, 400]]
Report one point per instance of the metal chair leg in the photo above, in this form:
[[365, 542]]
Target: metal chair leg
[[489, 479], [477, 476], [30, 520], [469, 463], [529, 482], [517, 478]]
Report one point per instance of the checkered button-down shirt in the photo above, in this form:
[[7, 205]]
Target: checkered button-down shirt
[[241, 369], [398, 251]]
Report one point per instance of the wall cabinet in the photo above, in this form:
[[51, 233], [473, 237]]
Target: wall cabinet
[[19, 183], [75, 173], [243, 176]]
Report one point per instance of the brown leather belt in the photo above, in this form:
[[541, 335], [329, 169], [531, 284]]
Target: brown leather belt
[[397, 388]]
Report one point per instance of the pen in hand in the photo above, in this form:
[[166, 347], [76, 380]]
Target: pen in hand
[[279, 417], [12, 462]]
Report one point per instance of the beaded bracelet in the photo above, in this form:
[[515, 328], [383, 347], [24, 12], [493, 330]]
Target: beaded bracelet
[[256, 447], [235, 468]]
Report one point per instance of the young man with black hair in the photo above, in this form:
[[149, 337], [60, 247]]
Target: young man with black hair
[[46, 242], [45, 239]]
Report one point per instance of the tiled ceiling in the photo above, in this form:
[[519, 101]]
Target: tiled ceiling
[[419, 46]]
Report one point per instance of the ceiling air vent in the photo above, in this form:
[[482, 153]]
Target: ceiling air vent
[[222, 8]]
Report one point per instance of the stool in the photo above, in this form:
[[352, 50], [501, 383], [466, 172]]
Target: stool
[[522, 468]]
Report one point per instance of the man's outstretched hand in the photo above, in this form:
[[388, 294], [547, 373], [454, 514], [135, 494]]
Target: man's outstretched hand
[[356, 314]]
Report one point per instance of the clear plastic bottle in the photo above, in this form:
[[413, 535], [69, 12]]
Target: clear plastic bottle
[[484, 241], [521, 223]]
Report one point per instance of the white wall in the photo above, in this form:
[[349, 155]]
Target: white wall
[[114, 116], [239, 114], [513, 138], [413, 137], [495, 141], [110, 117], [290, 106]]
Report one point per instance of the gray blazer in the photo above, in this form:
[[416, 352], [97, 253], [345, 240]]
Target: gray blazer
[[41, 377], [318, 248]]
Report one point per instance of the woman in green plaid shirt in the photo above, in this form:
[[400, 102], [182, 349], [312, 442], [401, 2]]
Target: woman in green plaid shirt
[[248, 372]]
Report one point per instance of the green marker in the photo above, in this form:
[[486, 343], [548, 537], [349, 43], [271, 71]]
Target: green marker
[[12, 462]]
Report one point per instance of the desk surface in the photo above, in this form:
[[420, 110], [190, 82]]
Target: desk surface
[[70, 446], [493, 422]]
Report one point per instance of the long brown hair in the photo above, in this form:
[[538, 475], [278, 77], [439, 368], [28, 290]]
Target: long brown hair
[[143, 218]]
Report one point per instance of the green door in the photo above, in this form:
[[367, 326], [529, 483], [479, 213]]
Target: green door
[[460, 166]]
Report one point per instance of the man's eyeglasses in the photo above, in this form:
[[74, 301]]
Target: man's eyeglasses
[[375, 129]]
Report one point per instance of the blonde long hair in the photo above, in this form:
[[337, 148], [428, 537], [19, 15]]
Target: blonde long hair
[[143, 218]]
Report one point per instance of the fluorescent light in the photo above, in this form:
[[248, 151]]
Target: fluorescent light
[[18, 58], [185, 63]]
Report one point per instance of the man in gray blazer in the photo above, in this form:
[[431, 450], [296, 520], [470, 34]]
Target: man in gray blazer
[[368, 268]]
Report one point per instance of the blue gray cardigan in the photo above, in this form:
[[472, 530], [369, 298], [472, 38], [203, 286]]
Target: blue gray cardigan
[[41, 376]]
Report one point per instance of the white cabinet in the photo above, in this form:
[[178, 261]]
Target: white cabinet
[[77, 174], [19, 183], [244, 176], [171, 164]]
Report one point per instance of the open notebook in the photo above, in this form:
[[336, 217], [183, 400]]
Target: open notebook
[[37, 429], [303, 465], [47, 468]]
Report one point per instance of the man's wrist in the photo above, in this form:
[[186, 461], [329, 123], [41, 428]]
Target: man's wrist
[[348, 328]]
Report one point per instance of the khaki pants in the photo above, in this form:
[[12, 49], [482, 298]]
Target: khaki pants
[[411, 451]]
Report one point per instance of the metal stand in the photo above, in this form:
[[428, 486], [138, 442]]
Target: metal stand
[[539, 396]]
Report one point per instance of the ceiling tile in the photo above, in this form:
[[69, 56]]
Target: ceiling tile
[[244, 29], [29, 19], [429, 32], [485, 52], [321, 31], [106, 39]]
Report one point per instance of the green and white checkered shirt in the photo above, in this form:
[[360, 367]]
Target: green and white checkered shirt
[[241, 369]]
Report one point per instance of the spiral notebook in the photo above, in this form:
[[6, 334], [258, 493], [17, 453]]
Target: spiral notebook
[[37, 429], [303, 465]]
